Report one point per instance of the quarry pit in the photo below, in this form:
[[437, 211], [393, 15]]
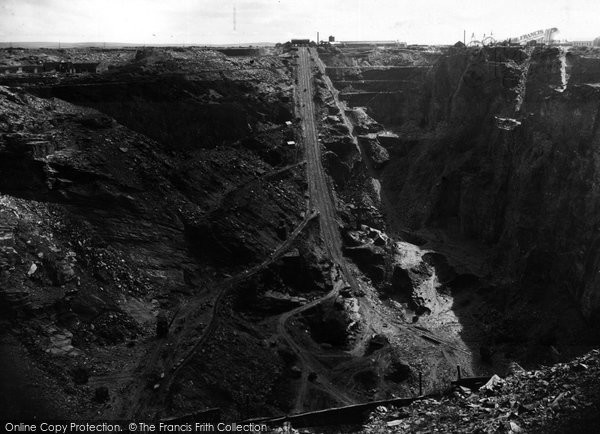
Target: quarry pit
[[289, 229]]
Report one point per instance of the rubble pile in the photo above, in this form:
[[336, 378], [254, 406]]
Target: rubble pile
[[563, 398], [107, 233]]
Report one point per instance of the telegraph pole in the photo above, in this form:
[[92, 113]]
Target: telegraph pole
[[234, 18]]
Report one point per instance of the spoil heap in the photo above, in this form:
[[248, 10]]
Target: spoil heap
[[564, 398]]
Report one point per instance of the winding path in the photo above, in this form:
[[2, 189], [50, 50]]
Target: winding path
[[170, 354]]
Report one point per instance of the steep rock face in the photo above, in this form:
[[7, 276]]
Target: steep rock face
[[376, 153], [506, 154], [370, 258]]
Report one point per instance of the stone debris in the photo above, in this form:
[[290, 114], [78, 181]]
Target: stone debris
[[32, 269], [514, 428], [560, 398], [494, 384], [60, 343], [507, 124]]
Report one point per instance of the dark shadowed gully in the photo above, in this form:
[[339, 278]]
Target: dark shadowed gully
[[275, 231]]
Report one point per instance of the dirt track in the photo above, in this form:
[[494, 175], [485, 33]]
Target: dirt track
[[139, 400], [322, 200], [320, 194]]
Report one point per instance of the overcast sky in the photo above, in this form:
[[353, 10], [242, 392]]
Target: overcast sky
[[211, 21]]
